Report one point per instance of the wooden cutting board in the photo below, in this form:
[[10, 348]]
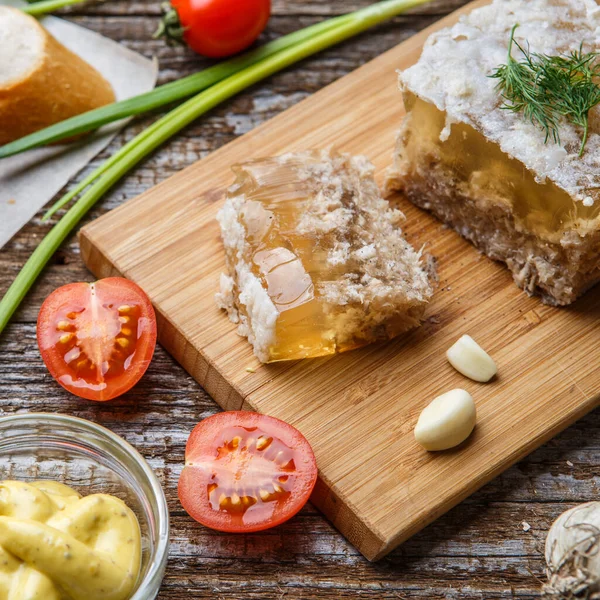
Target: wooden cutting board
[[358, 409]]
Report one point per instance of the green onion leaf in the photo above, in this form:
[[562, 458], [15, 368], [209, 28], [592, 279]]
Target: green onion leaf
[[43, 7]]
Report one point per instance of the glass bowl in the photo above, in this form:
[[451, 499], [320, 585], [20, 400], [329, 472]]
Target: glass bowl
[[91, 459]]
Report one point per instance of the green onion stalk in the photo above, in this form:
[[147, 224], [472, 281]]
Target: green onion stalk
[[43, 7], [150, 139]]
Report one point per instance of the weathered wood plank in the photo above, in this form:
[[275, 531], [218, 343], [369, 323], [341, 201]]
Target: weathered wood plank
[[126, 8], [477, 551], [357, 409], [481, 536]]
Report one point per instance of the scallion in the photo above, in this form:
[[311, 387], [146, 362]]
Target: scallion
[[43, 7]]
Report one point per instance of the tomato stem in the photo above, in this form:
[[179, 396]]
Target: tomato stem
[[170, 124], [170, 27]]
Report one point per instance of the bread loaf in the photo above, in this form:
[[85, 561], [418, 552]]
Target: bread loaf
[[41, 81]]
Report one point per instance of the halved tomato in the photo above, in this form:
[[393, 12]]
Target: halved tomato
[[246, 472], [97, 339]]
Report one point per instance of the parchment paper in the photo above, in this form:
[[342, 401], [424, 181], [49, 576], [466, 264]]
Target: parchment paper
[[30, 180]]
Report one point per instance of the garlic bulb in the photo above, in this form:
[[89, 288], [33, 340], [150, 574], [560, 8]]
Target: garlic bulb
[[573, 554]]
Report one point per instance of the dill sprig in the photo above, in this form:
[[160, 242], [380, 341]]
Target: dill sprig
[[547, 88]]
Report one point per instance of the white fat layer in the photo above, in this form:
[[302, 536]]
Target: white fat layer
[[259, 326], [21, 45], [257, 316], [454, 74]]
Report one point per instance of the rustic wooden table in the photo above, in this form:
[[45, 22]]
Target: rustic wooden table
[[488, 547]]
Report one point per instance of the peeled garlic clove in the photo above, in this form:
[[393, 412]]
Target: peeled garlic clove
[[447, 421], [470, 359]]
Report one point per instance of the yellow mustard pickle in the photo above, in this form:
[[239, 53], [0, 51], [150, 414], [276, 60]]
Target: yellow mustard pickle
[[57, 545], [316, 258]]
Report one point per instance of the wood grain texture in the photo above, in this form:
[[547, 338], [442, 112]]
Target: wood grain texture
[[477, 551], [358, 409]]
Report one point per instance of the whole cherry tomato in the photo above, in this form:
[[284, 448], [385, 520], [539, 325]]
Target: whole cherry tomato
[[216, 28]]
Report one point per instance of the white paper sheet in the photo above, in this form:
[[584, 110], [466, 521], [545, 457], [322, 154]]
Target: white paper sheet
[[30, 180]]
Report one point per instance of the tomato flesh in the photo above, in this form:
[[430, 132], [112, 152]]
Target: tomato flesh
[[217, 28], [97, 339], [246, 472]]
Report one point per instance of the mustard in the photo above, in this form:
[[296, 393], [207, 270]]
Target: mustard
[[57, 545]]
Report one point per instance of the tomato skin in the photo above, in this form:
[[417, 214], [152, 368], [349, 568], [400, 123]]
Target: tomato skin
[[207, 466], [218, 28], [97, 339]]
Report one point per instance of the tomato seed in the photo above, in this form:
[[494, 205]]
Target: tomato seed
[[289, 466], [123, 342], [263, 442]]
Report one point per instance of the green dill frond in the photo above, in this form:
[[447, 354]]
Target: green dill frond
[[547, 88]]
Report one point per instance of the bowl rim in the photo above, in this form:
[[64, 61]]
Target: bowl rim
[[158, 562]]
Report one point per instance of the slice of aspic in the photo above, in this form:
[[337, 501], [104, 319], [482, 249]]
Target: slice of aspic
[[488, 171], [317, 261]]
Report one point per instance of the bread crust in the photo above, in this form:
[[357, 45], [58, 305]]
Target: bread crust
[[60, 85]]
